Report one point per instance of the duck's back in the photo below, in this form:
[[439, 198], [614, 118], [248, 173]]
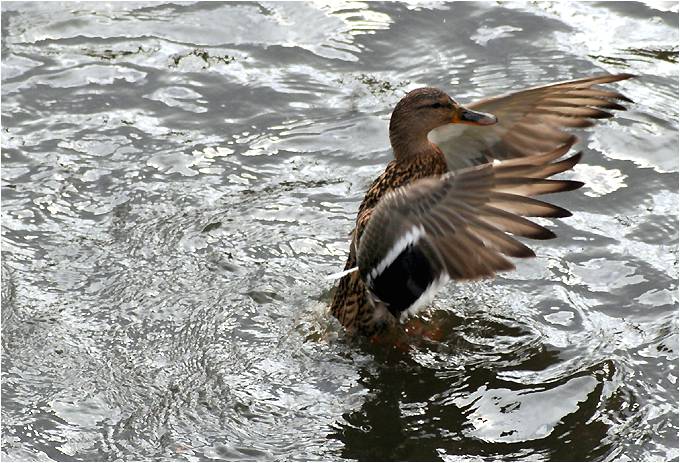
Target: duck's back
[[350, 302]]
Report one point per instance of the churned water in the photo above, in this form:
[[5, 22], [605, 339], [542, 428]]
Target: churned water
[[178, 178]]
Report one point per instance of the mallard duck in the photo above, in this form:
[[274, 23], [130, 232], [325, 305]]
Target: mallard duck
[[461, 183]]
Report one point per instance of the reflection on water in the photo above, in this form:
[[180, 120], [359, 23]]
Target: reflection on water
[[177, 178]]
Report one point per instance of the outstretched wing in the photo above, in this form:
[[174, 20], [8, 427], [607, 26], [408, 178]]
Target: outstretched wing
[[530, 121], [457, 226]]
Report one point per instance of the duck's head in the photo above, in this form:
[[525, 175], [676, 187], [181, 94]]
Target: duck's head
[[423, 110]]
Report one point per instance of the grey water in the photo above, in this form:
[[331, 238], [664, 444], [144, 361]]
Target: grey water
[[178, 178]]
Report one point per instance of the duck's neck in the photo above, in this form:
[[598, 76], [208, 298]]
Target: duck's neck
[[406, 146]]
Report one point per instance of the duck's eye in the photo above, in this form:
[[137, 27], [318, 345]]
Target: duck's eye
[[437, 105]]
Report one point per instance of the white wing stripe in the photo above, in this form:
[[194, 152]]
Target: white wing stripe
[[424, 298], [412, 236]]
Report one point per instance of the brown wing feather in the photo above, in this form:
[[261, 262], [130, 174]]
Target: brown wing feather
[[530, 122], [467, 217]]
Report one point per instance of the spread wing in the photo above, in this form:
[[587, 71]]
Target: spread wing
[[530, 121], [458, 226]]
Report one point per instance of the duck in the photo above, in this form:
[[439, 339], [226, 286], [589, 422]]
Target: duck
[[457, 195]]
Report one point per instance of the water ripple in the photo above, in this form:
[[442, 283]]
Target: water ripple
[[178, 178]]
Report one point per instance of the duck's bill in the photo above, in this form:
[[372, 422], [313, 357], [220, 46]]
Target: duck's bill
[[468, 116]]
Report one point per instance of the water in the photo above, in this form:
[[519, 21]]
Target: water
[[177, 178]]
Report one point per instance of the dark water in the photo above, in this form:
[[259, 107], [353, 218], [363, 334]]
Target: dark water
[[177, 178]]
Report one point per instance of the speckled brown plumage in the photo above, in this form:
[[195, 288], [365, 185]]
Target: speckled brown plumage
[[350, 302]]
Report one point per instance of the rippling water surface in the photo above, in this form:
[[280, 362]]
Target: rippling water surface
[[177, 178]]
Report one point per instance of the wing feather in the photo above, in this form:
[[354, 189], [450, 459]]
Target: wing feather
[[528, 207], [530, 122], [467, 218]]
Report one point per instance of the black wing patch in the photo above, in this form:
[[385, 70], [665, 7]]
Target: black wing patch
[[404, 280]]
